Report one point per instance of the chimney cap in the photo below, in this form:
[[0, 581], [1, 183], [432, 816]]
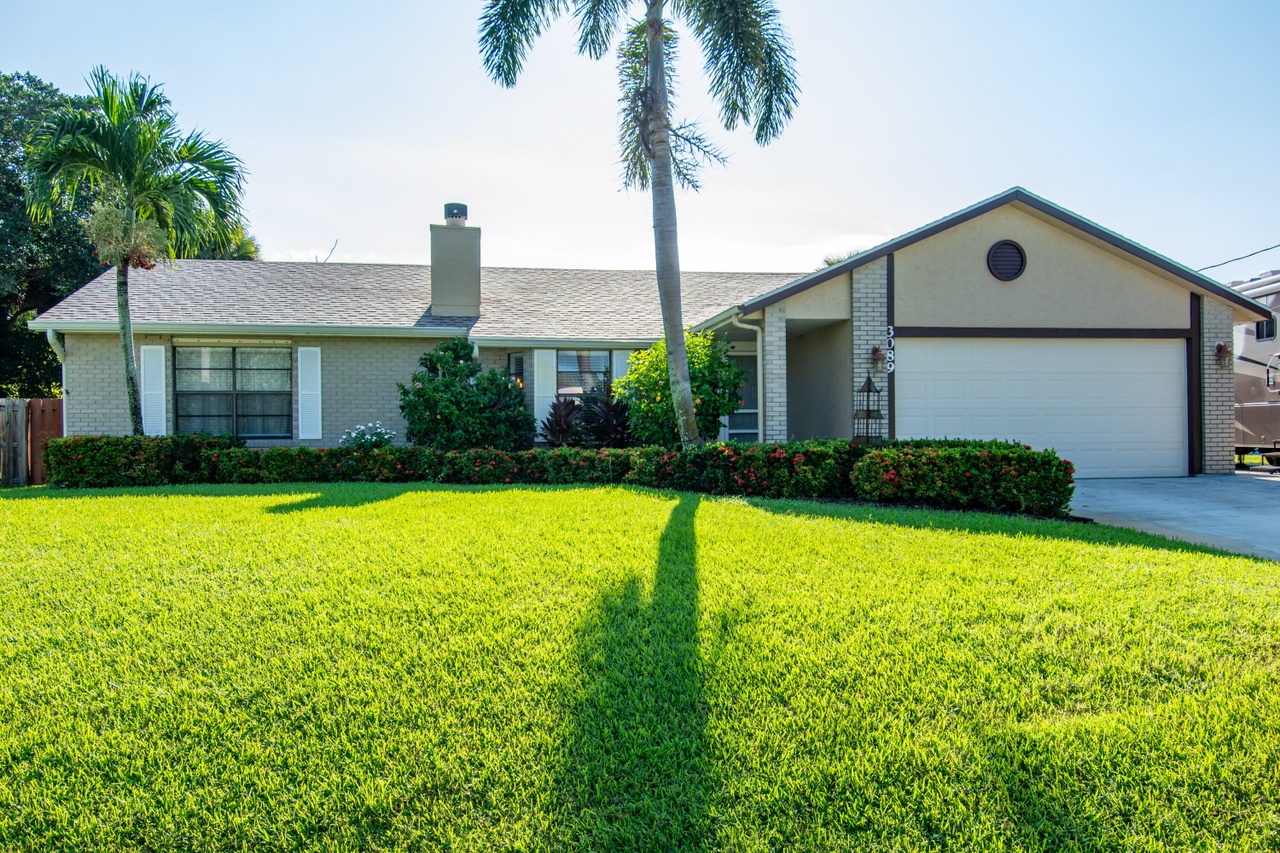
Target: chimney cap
[[455, 210]]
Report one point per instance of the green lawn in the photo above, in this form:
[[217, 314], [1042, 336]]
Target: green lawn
[[348, 667]]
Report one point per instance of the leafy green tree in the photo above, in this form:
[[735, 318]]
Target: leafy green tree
[[161, 194], [451, 404], [716, 382], [41, 263], [747, 58], [240, 246]]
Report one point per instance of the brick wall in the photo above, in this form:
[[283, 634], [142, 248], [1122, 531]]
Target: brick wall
[[775, 372], [870, 327], [94, 395], [1219, 388]]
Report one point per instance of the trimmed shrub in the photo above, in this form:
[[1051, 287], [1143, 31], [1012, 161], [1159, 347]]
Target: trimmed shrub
[[452, 405], [103, 461], [950, 474], [977, 475]]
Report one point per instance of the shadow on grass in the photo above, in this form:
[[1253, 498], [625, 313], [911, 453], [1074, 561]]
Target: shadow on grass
[[636, 773], [984, 523]]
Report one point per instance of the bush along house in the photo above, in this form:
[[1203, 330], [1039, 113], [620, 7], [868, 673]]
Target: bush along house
[[1012, 319]]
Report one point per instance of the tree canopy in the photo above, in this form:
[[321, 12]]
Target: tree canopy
[[41, 261]]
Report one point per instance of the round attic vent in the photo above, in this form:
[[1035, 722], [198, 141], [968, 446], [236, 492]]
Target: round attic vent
[[1006, 260]]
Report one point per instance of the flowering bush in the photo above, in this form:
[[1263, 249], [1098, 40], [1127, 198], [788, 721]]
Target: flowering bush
[[952, 474], [102, 461], [991, 475], [367, 437], [646, 389]]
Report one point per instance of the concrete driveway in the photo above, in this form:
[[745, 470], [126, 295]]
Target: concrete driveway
[[1239, 512]]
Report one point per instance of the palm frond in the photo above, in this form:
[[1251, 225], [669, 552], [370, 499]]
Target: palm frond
[[690, 149], [190, 187], [598, 22], [748, 61], [508, 29]]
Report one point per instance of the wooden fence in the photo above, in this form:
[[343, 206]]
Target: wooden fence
[[25, 427]]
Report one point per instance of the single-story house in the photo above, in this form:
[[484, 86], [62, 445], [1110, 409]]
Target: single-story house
[[1013, 318]]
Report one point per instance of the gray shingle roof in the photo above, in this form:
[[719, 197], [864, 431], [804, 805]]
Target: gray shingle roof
[[515, 303]]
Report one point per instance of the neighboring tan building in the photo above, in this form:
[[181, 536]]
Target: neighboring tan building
[[1013, 319]]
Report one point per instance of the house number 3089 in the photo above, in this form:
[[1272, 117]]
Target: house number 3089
[[888, 351]]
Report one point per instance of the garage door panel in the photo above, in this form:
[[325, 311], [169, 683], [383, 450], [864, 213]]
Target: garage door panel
[[1115, 408]]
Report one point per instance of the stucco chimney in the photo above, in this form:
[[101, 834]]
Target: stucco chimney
[[455, 265]]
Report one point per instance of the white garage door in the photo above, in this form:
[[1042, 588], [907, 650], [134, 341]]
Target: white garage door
[[1115, 408]]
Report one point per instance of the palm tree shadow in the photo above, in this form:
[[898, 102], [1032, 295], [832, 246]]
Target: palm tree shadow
[[322, 495], [635, 773]]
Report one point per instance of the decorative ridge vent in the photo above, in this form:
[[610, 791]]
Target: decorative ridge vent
[[1006, 260]]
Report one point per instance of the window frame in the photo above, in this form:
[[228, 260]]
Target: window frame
[[1260, 330], [584, 396], [235, 392], [737, 434]]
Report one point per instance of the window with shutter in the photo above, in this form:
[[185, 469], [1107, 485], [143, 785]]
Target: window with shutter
[[152, 380], [544, 382], [309, 414], [244, 391]]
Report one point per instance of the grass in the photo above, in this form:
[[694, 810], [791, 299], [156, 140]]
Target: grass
[[349, 667]]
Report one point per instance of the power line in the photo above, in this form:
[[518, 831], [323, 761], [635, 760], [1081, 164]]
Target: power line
[[1241, 258]]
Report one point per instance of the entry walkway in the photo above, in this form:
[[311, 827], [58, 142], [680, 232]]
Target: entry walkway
[[1239, 512]]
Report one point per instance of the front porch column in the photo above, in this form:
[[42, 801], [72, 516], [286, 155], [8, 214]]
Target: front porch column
[[870, 324], [775, 372], [1219, 389]]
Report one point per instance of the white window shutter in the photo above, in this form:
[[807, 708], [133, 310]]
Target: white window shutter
[[309, 421], [621, 363], [544, 383], [152, 379]]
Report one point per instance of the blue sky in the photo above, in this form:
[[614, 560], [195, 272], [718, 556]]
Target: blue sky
[[359, 121]]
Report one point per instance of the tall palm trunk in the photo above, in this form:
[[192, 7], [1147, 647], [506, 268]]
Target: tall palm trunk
[[126, 343], [666, 248]]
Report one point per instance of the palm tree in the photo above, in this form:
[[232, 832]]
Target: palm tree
[[162, 194], [747, 57]]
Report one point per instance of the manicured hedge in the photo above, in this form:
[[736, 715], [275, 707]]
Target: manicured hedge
[[109, 460], [994, 475], [947, 473]]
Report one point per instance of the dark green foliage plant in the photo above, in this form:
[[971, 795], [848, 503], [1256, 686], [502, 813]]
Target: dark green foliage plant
[[563, 425], [646, 389], [452, 404], [978, 475], [607, 421]]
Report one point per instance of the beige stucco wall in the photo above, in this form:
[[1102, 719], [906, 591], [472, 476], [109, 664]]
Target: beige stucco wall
[[1068, 282], [826, 301], [819, 383]]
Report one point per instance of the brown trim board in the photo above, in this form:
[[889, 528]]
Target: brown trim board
[[1037, 332], [889, 311], [1195, 391]]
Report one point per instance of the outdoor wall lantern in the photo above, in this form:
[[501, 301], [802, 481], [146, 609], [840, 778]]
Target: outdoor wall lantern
[[878, 355], [1224, 354], [868, 416]]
